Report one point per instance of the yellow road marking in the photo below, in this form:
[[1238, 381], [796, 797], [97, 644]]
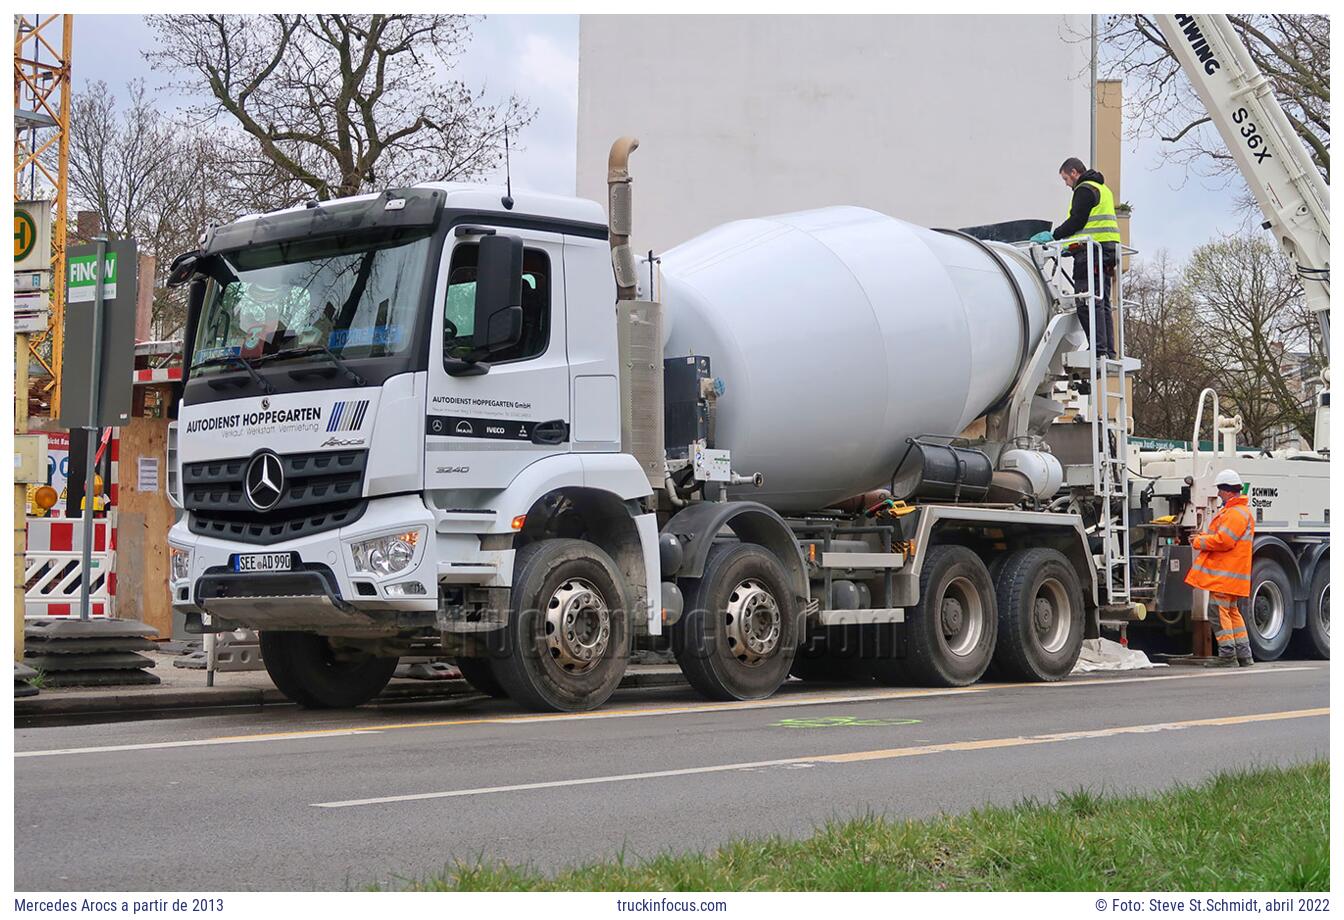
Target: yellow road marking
[[854, 757], [782, 701]]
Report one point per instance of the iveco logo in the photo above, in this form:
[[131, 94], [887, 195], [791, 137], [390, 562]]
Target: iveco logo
[[264, 481]]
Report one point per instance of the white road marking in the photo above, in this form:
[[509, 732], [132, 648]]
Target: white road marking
[[854, 757], [776, 702]]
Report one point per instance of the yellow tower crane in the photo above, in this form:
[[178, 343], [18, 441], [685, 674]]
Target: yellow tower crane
[[42, 90]]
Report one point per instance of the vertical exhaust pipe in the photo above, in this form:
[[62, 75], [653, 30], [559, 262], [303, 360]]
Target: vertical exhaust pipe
[[620, 216]]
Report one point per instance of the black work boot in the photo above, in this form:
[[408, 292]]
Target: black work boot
[[1245, 662]]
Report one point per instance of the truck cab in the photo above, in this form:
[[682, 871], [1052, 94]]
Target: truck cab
[[379, 391]]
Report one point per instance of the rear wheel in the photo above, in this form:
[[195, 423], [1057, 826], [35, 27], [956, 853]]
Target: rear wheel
[[1040, 610], [1268, 611], [1313, 639], [951, 632], [738, 636], [568, 639], [310, 672], [479, 673]]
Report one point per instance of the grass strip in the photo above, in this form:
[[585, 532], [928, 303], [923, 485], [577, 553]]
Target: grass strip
[[1246, 830]]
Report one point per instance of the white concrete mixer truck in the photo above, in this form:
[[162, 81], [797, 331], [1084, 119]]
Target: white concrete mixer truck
[[436, 416]]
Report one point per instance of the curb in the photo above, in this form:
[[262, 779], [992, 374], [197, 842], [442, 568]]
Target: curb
[[112, 707]]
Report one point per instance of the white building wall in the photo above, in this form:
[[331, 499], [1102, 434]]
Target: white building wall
[[945, 121]]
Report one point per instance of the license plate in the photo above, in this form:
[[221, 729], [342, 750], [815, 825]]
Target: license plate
[[263, 562]]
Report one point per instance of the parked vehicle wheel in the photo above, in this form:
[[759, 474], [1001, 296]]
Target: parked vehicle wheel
[[567, 642], [738, 636], [951, 632], [1040, 610], [310, 672], [480, 674], [1313, 639], [1268, 612]]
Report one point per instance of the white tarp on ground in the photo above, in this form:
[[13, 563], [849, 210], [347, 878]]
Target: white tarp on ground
[[1105, 655]]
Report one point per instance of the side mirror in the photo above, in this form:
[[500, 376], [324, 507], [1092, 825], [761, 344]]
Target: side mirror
[[195, 305], [180, 272], [499, 294]]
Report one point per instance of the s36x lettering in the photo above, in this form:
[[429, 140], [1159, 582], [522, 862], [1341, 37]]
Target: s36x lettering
[[1254, 142]]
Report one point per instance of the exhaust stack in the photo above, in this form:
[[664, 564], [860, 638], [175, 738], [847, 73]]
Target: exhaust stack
[[620, 216]]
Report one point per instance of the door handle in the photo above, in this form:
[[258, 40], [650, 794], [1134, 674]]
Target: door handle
[[555, 431]]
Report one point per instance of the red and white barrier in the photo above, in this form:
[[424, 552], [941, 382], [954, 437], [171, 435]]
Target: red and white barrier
[[54, 556], [53, 568]]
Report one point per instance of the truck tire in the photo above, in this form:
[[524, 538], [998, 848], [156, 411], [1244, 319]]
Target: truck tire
[[480, 674], [1040, 610], [567, 641], [1313, 639], [951, 632], [1268, 612], [304, 668], [738, 636]]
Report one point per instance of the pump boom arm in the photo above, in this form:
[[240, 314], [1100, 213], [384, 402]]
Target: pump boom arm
[[1272, 158]]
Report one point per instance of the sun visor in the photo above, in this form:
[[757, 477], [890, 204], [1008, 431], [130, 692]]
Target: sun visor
[[395, 209]]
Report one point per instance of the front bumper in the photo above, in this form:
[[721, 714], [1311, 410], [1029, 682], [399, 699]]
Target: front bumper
[[325, 589]]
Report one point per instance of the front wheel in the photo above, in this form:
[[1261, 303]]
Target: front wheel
[[310, 672], [738, 636], [951, 632], [568, 638], [1040, 616]]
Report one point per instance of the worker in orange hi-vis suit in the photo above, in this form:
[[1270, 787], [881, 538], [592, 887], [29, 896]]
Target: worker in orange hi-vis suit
[[1222, 567]]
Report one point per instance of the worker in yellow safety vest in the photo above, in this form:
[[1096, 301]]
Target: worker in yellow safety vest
[[1091, 216], [1222, 567]]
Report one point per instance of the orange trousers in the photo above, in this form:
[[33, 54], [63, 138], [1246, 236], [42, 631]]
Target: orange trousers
[[1229, 629]]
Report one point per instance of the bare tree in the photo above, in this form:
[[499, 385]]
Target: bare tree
[[332, 105], [146, 177], [1256, 337], [1292, 50], [1162, 331]]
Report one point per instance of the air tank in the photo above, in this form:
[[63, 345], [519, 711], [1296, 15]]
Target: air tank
[[840, 333]]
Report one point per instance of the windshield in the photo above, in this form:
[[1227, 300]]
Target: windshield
[[297, 300]]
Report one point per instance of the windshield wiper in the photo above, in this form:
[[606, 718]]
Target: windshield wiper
[[238, 361], [320, 349]]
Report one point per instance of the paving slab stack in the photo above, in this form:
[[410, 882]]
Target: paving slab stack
[[89, 653]]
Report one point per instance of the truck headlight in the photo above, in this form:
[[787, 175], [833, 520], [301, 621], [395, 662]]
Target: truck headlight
[[180, 560], [383, 556]]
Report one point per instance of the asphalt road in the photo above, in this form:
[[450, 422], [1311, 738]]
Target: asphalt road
[[297, 800]]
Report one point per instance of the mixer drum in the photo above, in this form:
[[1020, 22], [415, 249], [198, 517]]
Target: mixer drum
[[839, 334]]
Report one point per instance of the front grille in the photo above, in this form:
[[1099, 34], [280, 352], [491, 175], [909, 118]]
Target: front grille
[[322, 491]]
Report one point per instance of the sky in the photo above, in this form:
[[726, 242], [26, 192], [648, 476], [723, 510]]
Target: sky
[[537, 58]]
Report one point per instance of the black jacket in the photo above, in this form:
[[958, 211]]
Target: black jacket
[[1085, 198]]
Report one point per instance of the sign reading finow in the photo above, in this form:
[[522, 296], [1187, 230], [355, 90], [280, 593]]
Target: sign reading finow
[[82, 278]]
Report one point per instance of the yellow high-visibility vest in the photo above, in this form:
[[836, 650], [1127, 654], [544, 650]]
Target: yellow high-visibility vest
[[1101, 224]]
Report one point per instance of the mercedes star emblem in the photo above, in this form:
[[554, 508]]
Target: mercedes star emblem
[[264, 481]]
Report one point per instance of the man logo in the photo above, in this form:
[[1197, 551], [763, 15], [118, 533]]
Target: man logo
[[264, 481], [463, 427]]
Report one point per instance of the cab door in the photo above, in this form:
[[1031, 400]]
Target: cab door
[[483, 428]]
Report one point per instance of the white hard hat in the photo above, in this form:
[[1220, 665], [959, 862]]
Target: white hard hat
[[1228, 478]]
